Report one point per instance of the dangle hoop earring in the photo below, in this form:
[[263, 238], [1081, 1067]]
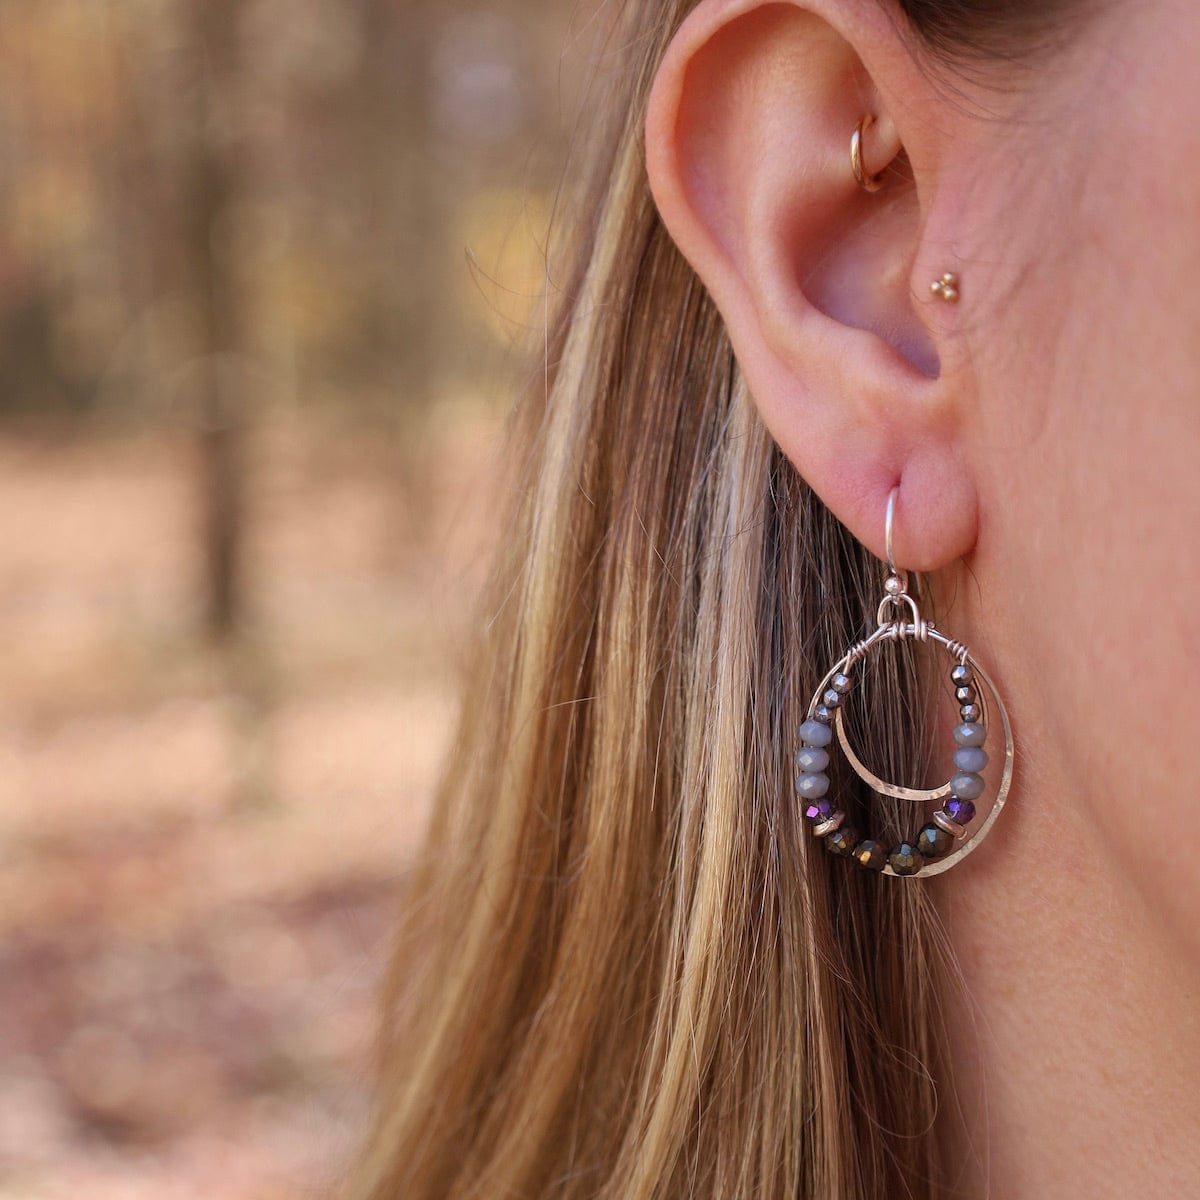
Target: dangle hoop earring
[[979, 704]]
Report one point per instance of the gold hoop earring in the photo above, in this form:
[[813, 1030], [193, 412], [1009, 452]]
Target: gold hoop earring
[[868, 183]]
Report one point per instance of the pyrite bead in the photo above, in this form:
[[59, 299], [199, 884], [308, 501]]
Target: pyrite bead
[[812, 787], [841, 683], [971, 713], [831, 699], [823, 713], [962, 675], [933, 841], [817, 811], [816, 733], [811, 758], [969, 733], [870, 855], [966, 786], [966, 694], [971, 759], [960, 809], [842, 841], [905, 859]]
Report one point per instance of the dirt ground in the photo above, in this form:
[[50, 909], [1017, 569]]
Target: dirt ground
[[200, 847]]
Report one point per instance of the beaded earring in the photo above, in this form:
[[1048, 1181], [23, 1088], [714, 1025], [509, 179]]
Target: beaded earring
[[933, 850]]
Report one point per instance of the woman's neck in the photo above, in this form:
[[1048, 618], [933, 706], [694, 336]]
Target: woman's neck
[[1074, 1045]]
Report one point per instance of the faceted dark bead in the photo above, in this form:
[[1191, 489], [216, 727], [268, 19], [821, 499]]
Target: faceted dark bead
[[823, 713], [842, 841], [831, 699], [933, 841], [966, 694], [870, 855], [959, 810], [818, 810], [840, 683], [905, 859], [962, 675]]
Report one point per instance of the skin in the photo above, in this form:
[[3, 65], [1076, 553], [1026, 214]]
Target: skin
[[1044, 433]]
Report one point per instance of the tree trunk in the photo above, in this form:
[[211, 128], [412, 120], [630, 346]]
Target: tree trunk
[[211, 182]]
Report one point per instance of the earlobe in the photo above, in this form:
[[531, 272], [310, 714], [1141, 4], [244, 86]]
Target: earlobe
[[748, 144]]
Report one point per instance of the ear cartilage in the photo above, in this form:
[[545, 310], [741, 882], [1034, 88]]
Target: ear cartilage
[[946, 287]]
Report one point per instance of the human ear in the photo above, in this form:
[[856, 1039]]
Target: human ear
[[856, 366]]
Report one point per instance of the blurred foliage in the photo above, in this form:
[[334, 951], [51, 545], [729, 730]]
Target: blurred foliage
[[263, 267], [356, 149]]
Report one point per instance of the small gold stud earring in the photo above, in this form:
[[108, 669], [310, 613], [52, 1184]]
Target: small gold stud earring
[[946, 287]]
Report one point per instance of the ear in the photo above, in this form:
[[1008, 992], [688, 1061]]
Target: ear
[[855, 365]]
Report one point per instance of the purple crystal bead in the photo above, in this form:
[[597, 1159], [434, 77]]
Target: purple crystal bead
[[818, 810], [959, 810]]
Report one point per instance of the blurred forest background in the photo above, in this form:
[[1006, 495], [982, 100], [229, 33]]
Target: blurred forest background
[[268, 275]]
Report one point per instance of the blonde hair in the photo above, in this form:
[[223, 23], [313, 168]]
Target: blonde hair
[[627, 969]]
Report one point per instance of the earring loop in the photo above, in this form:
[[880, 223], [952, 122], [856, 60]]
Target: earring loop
[[932, 851], [869, 183]]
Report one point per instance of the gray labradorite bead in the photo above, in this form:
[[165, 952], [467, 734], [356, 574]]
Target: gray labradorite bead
[[811, 759], [966, 734], [816, 733], [966, 787], [971, 759], [812, 787]]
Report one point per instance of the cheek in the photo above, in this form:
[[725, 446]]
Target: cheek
[[1089, 448], [1081, 265], [1093, 445]]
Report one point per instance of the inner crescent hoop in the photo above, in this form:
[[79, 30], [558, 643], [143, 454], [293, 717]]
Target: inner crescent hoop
[[989, 702]]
